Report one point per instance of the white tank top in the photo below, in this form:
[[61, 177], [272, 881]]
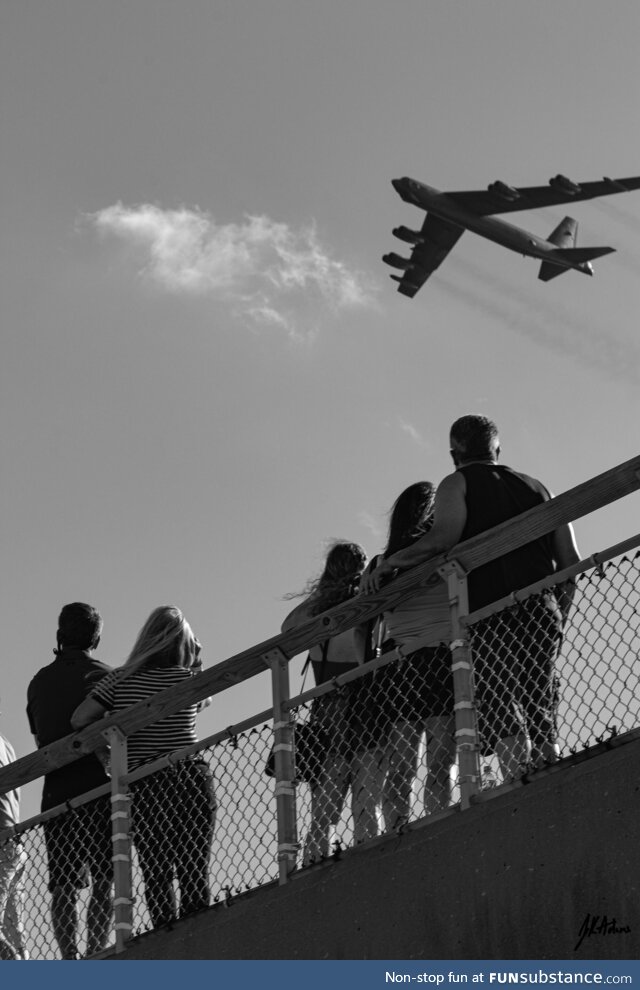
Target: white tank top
[[422, 620]]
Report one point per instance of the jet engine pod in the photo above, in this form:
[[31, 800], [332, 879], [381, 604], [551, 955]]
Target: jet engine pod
[[396, 261], [410, 236], [503, 191], [565, 185]]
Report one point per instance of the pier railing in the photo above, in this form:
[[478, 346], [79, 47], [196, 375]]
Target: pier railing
[[385, 772]]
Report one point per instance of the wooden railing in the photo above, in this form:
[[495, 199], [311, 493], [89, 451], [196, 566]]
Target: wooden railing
[[567, 507]]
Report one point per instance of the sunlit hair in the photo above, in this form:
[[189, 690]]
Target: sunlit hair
[[165, 640], [411, 516], [473, 437], [340, 577]]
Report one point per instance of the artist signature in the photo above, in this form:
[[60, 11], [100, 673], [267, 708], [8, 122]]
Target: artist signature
[[599, 924]]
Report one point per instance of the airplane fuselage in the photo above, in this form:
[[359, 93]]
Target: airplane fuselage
[[491, 227]]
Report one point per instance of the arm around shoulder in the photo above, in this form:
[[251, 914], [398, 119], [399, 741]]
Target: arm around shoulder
[[449, 518]]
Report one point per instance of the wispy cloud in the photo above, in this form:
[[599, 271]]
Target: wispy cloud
[[369, 522], [413, 433], [271, 273]]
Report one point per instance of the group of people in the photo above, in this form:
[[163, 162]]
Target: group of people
[[172, 811], [373, 728], [376, 725]]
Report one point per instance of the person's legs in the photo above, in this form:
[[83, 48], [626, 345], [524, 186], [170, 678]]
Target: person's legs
[[367, 770], [151, 828], [67, 874], [327, 799], [513, 754], [64, 919], [7, 952], [402, 765], [97, 837], [11, 945], [494, 644], [99, 915], [14, 909], [538, 647], [441, 755], [195, 816]]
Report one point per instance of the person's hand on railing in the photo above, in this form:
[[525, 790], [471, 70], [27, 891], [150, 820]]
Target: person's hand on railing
[[196, 668], [374, 580], [103, 754], [565, 593]]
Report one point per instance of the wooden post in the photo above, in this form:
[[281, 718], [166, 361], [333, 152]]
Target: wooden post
[[285, 790], [121, 837], [467, 745]]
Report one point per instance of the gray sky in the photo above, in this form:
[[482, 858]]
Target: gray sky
[[206, 372]]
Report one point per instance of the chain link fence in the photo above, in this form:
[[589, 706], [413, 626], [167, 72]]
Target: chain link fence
[[204, 829], [551, 681], [64, 902], [373, 751]]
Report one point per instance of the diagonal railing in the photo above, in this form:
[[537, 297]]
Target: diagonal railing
[[585, 498], [273, 853]]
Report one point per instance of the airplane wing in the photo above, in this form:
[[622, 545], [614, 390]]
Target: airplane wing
[[436, 239], [500, 198]]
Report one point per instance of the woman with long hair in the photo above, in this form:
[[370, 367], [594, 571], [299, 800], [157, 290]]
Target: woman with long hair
[[173, 810], [343, 764], [417, 689]]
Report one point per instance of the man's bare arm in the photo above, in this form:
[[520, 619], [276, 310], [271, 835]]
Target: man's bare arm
[[449, 518], [565, 553]]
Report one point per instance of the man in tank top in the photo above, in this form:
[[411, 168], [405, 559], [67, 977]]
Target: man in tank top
[[514, 652]]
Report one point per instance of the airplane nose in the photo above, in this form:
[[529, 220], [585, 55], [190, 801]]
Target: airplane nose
[[397, 184]]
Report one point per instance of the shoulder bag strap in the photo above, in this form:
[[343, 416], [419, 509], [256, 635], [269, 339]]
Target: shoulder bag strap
[[323, 668]]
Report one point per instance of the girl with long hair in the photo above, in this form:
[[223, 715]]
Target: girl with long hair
[[417, 689], [173, 810], [343, 765]]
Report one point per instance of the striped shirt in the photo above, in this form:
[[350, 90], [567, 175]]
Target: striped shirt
[[173, 732]]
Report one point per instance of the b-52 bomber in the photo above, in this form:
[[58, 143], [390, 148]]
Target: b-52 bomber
[[450, 214]]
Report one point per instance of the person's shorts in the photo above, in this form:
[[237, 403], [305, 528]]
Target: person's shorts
[[418, 686], [79, 845], [514, 654]]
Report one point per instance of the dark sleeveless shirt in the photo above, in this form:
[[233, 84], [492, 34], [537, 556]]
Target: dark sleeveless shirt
[[495, 493]]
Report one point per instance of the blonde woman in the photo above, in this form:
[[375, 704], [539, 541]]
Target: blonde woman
[[173, 810]]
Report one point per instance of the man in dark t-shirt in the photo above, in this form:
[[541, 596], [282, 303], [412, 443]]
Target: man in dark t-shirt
[[514, 655], [79, 842]]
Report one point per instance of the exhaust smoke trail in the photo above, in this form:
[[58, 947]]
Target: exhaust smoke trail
[[548, 324], [616, 213]]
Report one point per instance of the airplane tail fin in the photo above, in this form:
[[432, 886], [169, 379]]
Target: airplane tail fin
[[574, 256], [564, 235]]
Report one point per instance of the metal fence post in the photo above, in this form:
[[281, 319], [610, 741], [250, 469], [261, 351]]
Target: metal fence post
[[285, 790], [120, 837], [466, 727]]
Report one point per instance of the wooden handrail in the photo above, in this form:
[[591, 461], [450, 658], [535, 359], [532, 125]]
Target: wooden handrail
[[577, 502]]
